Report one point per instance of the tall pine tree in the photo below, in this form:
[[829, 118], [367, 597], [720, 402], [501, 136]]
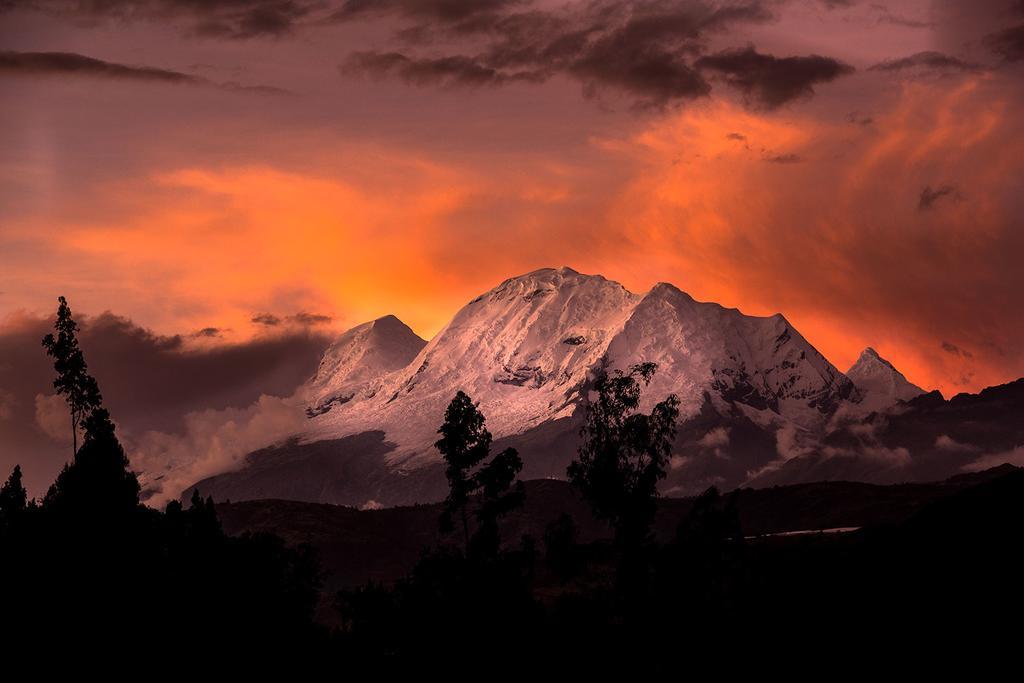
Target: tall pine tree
[[97, 479], [73, 380], [13, 497]]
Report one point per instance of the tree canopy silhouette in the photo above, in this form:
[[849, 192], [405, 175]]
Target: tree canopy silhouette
[[624, 453], [92, 567], [465, 446], [73, 381], [98, 479], [13, 500]]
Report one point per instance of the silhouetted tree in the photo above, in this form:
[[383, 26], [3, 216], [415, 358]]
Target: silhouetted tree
[[465, 445], [13, 499], [91, 563], [98, 479], [73, 381], [624, 453]]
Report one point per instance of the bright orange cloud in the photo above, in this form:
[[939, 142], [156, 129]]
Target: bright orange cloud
[[831, 223], [825, 220]]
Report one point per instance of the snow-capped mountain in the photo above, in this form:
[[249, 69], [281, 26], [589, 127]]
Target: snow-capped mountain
[[522, 350], [525, 349], [879, 383], [360, 358], [753, 391], [705, 350]]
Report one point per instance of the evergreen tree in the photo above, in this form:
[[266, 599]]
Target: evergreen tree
[[624, 453], [465, 445], [73, 381], [98, 479], [13, 497]]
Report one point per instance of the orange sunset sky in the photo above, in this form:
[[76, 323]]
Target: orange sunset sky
[[857, 166]]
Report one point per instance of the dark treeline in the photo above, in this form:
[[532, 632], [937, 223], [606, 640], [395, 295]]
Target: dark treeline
[[89, 565]]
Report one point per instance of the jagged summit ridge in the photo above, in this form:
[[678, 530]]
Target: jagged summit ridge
[[704, 348], [879, 382], [521, 349], [526, 348]]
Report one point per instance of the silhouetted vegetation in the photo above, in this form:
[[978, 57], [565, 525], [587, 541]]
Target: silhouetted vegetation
[[93, 569], [90, 567], [624, 453], [622, 457], [465, 446], [73, 380]]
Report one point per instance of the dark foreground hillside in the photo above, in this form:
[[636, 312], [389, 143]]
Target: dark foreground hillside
[[356, 546], [933, 574]]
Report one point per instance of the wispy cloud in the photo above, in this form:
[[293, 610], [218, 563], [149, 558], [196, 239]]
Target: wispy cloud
[[73, 65]]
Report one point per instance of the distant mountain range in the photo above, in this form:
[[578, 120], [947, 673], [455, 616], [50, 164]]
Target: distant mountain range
[[759, 404]]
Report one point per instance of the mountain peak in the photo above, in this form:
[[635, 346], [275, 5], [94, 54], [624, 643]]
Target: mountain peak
[[540, 284], [388, 322], [870, 355], [543, 273], [880, 383], [361, 355], [670, 290]]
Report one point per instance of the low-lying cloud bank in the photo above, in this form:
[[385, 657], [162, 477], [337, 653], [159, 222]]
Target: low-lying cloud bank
[[213, 441], [180, 407]]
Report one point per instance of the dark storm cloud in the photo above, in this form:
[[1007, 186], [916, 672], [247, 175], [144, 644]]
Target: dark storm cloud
[[650, 51], [453, 70], [885, 16], [930, 195], [1009, 43], [641, 49], [955, 350], [236, 19], [148, 381], [446, 11], [266, 319], [784, 159], [926, 60], [145, 375], [307, 319], [207, 332], [771, 81], [72, 65], [302, 318], [247, 19]]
